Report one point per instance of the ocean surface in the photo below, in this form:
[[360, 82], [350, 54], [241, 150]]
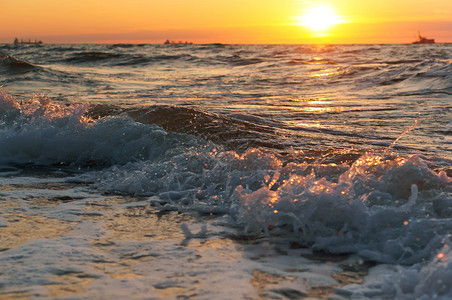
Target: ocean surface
[[226, 171]]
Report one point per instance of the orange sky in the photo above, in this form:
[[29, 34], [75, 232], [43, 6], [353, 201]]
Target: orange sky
[[223, 21]]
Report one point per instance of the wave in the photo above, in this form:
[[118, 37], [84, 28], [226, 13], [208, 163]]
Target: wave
[[92, 56], [239, 132], [238, 60], [401, 61], [45, 132], [230, 131], [430, 76], [267, 178], [122, 59], [125, 45], [236, 132], [385, 208], [13, 65], [412, 76], [382, 206]]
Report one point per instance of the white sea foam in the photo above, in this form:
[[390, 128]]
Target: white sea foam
[[384, 207], [430, 280], [45, 132], [387, 209]]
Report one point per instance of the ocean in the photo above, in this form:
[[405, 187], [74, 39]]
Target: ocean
[[225, 171]]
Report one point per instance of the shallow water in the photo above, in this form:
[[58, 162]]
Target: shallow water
[[176, 171]]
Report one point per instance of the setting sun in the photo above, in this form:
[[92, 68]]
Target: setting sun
[[319, 18], [226, 21]]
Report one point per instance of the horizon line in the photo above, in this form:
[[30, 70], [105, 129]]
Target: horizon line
[[211, 43]]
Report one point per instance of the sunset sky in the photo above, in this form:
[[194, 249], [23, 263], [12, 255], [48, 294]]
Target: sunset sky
[[225, 21]]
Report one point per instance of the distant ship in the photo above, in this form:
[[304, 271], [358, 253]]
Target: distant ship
[[29, 42], [168, 42], [423, 40]]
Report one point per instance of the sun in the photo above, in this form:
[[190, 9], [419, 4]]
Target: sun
[[319, 18]]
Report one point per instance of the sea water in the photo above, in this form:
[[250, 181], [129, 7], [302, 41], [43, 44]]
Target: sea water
[[226, 171]]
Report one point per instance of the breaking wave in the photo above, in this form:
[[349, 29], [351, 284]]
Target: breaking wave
[[13, 65], [382, 206]]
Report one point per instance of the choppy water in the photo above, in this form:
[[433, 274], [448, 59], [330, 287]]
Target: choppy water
[[342, 149]]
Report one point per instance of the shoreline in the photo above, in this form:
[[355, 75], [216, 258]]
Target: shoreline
[[127, 239]]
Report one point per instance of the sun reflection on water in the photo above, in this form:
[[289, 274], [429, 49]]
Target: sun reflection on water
[[324, 74]]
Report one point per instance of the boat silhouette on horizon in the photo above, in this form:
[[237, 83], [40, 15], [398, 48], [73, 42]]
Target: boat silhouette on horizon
[[168, 42], [423, 40], [29, 42]]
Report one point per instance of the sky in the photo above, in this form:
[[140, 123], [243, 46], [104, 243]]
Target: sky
[[225, 21]]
